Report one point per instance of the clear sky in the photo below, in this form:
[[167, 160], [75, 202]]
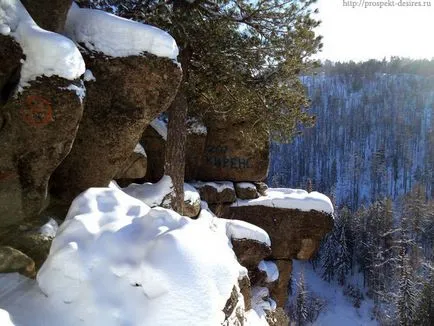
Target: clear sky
[[367, 31]]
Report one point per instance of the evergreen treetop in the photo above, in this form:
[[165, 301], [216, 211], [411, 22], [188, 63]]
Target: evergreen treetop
[[240, 58]]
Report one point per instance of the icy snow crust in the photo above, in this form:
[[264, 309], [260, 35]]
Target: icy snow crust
[[115, 261], [46, 53], [291, 199], [115, 36]]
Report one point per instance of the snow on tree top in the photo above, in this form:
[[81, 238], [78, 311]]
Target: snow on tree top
[[291, 199], [115, 36], [47, 54]]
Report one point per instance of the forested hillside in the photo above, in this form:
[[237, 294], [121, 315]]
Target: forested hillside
[[372, 149], [374, 135]]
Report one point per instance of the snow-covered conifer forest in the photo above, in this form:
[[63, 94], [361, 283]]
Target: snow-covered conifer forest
[[372, 151]]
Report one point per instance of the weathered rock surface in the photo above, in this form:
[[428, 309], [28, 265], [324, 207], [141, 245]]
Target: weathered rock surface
[[135, 165], [10, 56], [246, 190], [216, 192], [155, 147], [235, 151], [277, 317], [261, 187], [293, 233], [129, 92], [27, 238], [48, 14], [14, 261], [250, 252], [244, 285], [279, 288], [37, 132]]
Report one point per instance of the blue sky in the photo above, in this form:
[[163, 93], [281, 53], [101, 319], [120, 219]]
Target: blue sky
[[361, 33]]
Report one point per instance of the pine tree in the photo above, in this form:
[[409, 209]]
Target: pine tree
[[407, 293], [342, 257], [242, 58], [425, 308], [328, 255], [302, 298]]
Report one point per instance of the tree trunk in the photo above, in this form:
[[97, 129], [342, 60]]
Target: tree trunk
[[175, 149], [176, 129], [48, 14]]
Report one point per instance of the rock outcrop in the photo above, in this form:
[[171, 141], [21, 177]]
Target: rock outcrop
[[236, 151], [250, 252], [129, 92], [38, 128], [294, 234]]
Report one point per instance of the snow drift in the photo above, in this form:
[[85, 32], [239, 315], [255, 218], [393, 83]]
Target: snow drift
[[116, 261]]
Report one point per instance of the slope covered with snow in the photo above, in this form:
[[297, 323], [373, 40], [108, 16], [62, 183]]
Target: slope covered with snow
[[339, 310]]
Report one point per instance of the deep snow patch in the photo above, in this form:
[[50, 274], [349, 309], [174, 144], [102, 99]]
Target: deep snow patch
[[115, 261]]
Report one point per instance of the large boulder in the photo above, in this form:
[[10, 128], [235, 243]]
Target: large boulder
[[294, 233], [236, 151], [250, 252], [128, 93], [38, 128]]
